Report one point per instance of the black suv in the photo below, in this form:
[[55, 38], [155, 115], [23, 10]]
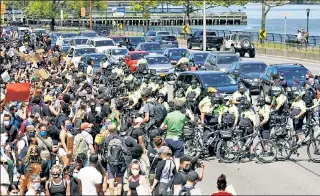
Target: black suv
[[291, 72]]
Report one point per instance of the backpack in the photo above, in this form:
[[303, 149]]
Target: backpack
[[169, 189], [185, 191], [24, 150], [308, 98], [115, 153], [58, 120], [159, 113], [81, 146]]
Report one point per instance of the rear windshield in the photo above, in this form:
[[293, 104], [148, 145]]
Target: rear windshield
[[163, 33], [151, 34], [211, 33], [227, 59], [137, 56], [169, 38], [104, 43]]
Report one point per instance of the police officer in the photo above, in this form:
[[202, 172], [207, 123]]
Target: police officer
[[194, 88], [163, 89], [182, 61], [135, 96], [119, 71], [205, 105], [230, 114], [142, 63], [241, 92], [310, 99], [298, 110], [264, 116], [128, 76], [145, 82], [161, 100], [153, 84], [179, 96], [279, 99]]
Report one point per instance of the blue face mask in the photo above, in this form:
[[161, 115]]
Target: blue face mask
[[68, 127], [43, 134]]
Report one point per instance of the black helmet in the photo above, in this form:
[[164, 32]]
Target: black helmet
[[261, 101], [246, 104], [193, 81], [126, 71], [217, 99]]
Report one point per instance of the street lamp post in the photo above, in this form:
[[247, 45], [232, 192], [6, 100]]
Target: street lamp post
[[308, 13], [204, 38]]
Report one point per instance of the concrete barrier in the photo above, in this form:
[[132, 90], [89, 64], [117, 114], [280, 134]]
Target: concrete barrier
[[289, 53]]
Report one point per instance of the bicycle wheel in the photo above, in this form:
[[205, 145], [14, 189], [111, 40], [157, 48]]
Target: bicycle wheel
[[265, 151], [227, 151], [313, 150], [190, 148], [283, 149]]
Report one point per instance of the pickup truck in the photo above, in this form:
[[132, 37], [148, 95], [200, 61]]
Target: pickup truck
[[213, 41]]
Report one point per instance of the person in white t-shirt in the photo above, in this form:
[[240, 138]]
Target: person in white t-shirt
[[90, 179]]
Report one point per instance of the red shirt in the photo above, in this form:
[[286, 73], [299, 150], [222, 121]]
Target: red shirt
[[221, 193]]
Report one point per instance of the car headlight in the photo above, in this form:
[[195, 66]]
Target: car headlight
[[248, 80], [256, 80], [223, 69]]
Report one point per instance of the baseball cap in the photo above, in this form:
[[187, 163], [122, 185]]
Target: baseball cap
[[212, 90], [192, 176]]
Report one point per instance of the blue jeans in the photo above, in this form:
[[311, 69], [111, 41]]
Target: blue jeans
[[177, 147]]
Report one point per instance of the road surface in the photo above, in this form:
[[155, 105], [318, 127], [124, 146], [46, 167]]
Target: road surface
[[293, 177]]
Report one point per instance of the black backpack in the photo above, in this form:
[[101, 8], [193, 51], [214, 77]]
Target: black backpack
[[159, 113], [185, 190], [59, 120], [308, 98], [114, 151]]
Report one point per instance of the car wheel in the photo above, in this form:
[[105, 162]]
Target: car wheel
[[189, 46], [218, 49], [201, 46], [252, 54], [242, 54]]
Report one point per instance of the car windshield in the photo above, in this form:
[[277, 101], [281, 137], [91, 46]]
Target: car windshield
[[294, 73], [200, 57], [163, 33], [169, 38], [81, 51], [80, 41], [104, 43], [66, 41], [68, 35], [136, 40], [211, 33], [217, 80], [252, 68], [137, 56], [151, 47], [157, 60], [119, 52], [97, 59], [116, 39], [151, 33], [89, 34], [176, 53], [227, 59]]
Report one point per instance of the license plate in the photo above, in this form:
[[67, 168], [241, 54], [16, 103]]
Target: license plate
[[162, 74]]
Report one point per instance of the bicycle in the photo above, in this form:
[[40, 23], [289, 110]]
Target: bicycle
[[293, 144], [240, 150]]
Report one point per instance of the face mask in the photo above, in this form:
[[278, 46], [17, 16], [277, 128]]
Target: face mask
[[36, 185], [30, 121], [43, 133], [6, 123], [194, 86], [68, 127], [13, 193], [75, 175], [31, 134], [55, 175], [135, 172], [88, 130], [187, 169], [33, 157]]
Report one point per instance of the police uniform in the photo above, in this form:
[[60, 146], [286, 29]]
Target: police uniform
[[153, 86], [166, 105], [118, 71], [197, 91], [248, 114], [163, 91], [280, 100], [130, 77], [233, 110], [142, 61], [298, 107], [264, 114], [143, 86], [237, 95], [206, 105], [182, 99], [135, 96], [182, 61]]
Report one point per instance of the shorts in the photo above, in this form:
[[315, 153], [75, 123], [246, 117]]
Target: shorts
[[177, 147], [265, 134], [114, 171]]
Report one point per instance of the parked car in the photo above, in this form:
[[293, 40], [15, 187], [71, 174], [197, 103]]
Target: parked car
[[290, 71], [131, 42], [88, 34], [78, 40], [167, 41], [65, 48], [63, 41], [240, 43], [114, 54], [175, 54], [132, 59], [116, 39], [85, 60], [224, 83], [68, 35], [150, 35], [150, 47], [212, 40], [248, 72], [220, 61], [198, 58], [101, 43], [160, 63], [75, 52]]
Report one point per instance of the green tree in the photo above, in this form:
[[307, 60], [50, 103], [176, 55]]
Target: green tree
[[76, 6], [144, 7]]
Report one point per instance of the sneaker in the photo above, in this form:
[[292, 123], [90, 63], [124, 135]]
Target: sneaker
[[252, 156]]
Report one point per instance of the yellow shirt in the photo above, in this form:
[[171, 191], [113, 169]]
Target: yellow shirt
[[250, 115], [232, 110], [153, 86], [299, 104], [129, 78], [135, 96], [206, 105], [163, 90], [197, 91], [280, 100], [237, 94], [142, 61], [265, 112]]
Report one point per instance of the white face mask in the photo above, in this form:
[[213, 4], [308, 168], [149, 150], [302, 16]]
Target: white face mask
[[135, 172], [6, 123]]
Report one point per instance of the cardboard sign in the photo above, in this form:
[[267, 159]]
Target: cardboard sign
[[43, 74], [35, 58], [5, 76], [22, 49], [18, 92], [70, 142], [40, 51]]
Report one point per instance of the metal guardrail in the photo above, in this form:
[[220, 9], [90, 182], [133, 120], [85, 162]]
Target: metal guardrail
[[271, 37]]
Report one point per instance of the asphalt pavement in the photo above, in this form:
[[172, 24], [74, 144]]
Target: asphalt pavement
[[297, 176]]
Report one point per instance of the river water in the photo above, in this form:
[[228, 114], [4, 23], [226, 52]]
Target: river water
[[296, 18]]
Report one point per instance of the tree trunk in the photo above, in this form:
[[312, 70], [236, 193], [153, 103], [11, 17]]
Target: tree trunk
[[263, 17], [52, 24]]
